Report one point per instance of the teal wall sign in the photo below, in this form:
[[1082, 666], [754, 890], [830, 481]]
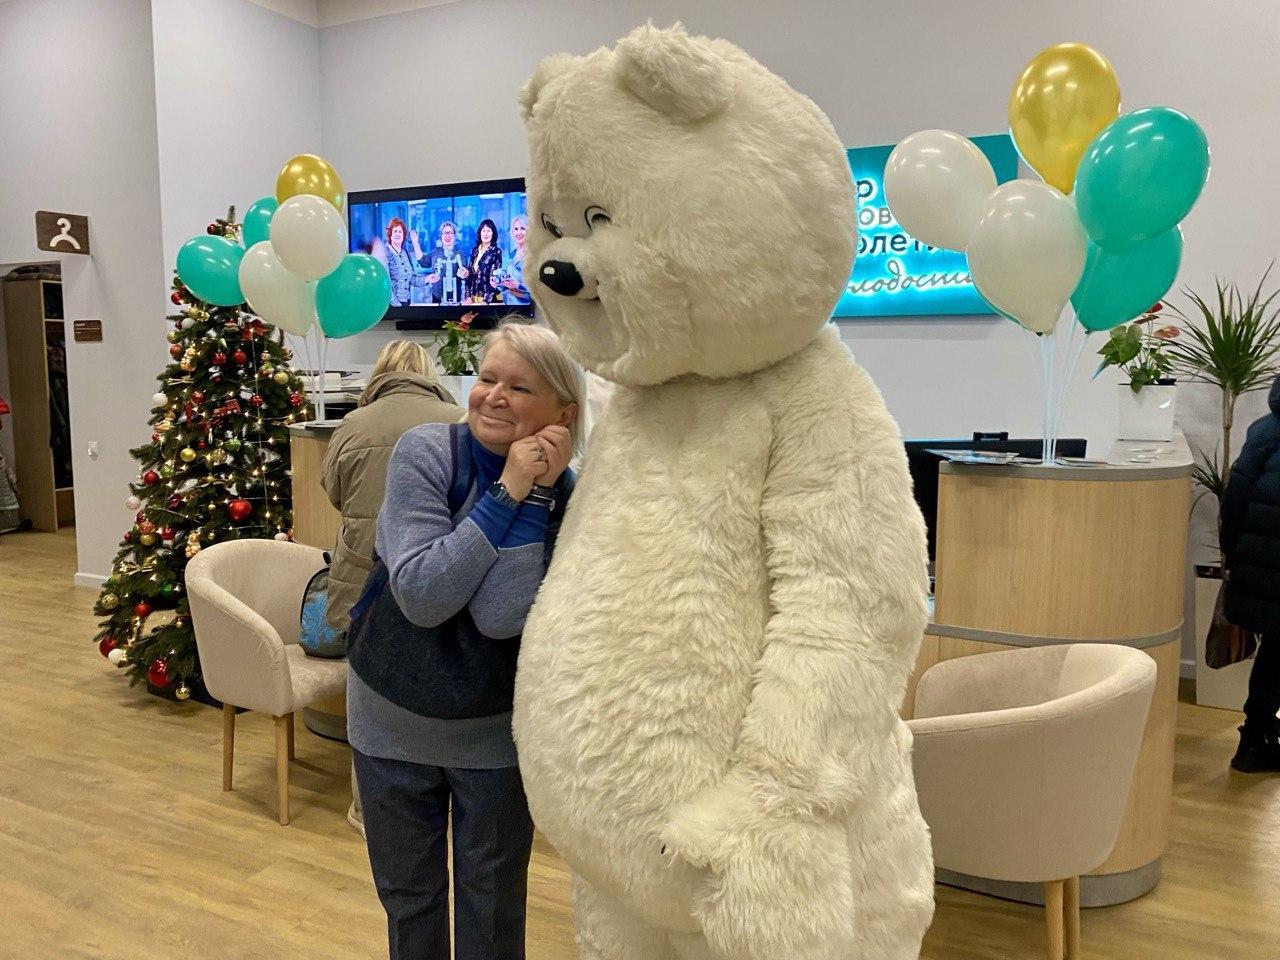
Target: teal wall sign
[[896, 275]]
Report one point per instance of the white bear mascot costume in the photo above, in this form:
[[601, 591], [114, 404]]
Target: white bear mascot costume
[[708, 690]]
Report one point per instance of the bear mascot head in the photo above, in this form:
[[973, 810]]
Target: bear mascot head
[[692, 213]]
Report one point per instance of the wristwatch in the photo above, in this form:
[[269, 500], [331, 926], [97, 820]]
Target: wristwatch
[[498, 491]]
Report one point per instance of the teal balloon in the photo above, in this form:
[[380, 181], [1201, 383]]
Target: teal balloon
[[1141, 175], [354, 297], [1118, 285], [257, 222], [209, 266]]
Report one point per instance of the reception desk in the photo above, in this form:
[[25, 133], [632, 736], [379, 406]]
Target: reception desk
[[1030, 555], [316, 523]]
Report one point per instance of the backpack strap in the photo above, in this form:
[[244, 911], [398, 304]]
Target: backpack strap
[[463, 466]]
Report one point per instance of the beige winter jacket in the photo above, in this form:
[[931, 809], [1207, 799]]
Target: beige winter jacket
[[355, 472]]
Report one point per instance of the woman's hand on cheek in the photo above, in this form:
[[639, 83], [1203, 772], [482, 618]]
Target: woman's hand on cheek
[[558, 446], [525, 466]]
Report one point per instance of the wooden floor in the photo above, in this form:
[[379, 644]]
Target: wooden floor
[[117, 842]]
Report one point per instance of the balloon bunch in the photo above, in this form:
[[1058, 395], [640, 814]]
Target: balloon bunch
[[1101, 232], [293, 268]]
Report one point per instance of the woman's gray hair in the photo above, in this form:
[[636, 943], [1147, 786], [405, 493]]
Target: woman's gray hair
[[541, 349]]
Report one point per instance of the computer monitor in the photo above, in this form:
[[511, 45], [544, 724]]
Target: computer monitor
[[924, 465]]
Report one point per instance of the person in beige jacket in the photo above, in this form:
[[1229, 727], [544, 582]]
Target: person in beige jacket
[[404, 391]]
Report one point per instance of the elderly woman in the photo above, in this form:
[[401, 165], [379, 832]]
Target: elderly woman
[[464, 537]]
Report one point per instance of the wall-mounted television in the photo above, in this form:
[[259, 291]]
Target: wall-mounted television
[[450, 248]]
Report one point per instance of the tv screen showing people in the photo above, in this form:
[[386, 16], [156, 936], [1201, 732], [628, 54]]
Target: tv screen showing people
[[446, 247]]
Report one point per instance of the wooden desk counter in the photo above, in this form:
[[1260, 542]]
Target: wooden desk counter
[[1030, 555]]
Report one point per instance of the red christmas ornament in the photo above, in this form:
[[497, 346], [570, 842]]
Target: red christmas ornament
[[176, 297], [151, 478], [155, 438], [255, 400], [139, 517], [106, 645], [166, 533], [158, 673], [128, 536], [295, 399], [212, 228], [142, 609], [175, 502], [200, 444], [219, 358], [239, 510], [217, 378], [197, 396], [175, 351], [239, 356]]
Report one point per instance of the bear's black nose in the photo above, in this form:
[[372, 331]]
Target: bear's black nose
[[561, 276]]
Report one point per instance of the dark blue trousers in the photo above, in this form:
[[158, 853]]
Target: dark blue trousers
[[406, 818]]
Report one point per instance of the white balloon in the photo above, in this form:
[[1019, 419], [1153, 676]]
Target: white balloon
[[1027, 252], [309, 236], [276, 293], [935, 184]]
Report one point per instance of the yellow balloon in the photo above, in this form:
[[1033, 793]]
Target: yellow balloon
[[307, 173], [1063, 99]]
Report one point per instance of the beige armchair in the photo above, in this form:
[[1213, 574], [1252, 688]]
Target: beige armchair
[[1023, 761], [246, 597]]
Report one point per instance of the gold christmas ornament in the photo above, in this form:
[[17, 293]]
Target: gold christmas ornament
[[183, 692], [109, 601], [187, 454], [164, 426], [281, 377], [192, 551], [147, 539], [216, 457]]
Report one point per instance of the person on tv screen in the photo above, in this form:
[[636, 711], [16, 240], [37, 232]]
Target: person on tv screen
[[399, 264], [447, 267], [511, 278], [486, 259]]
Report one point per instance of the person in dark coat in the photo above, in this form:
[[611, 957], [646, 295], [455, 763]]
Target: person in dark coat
[[1250, 540]]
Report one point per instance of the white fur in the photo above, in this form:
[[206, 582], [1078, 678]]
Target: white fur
[[706, 706]]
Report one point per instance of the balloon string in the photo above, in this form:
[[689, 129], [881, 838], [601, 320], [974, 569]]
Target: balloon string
[[1077, 353], [1046, 370], [324, 369]]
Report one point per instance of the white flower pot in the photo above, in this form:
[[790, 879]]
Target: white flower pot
[[459, 386], [1147, 414]]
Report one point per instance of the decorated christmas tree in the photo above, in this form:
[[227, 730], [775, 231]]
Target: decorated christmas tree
[[217, 468]]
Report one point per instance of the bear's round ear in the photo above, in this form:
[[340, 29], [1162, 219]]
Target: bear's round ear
[[676, 74], [547, 70]]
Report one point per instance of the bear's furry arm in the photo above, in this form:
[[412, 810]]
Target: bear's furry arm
[[848, 598]]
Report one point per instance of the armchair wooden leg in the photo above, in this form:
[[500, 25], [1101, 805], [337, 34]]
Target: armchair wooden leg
[[292, 726], [228, 743], [1053, 917], [1071, 907], [282, 767]]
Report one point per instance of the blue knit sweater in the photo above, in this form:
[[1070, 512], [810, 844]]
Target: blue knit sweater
[[479, 568]]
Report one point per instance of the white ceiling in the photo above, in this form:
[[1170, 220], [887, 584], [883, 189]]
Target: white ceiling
[[327, 13]]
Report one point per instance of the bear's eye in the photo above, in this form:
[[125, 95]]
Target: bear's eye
[[551, 228], [596, 216]]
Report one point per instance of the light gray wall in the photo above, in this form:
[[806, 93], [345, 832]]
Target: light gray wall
[[78, 134], [237, 94]]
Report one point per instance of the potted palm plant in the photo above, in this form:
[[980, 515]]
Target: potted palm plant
[[1232, 343]]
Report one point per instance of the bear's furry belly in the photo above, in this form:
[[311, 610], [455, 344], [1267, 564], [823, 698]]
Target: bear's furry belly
[[637, 660]]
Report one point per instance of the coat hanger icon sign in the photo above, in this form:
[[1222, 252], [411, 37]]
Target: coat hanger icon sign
[[65, 235]]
